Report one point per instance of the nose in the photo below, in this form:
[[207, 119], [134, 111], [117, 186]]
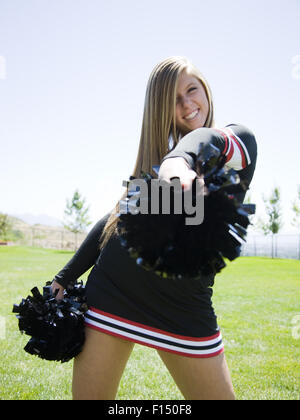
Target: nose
[[185, 101]]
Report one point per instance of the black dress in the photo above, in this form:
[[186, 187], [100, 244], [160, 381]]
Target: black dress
[[126, 301]]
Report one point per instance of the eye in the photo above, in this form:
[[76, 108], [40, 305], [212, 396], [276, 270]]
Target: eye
[[191, 89]]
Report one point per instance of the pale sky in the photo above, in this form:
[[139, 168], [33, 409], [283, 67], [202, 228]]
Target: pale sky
[[73, 75]]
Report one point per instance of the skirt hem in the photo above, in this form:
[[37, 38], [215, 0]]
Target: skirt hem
[[201, 347]]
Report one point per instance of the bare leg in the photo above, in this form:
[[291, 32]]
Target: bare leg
[[99, 367], [200, 379]]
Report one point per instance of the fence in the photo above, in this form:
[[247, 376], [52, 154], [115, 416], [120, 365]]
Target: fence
[[56, 238], [274, 246]]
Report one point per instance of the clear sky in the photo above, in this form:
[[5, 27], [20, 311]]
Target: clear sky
[[73, 75]]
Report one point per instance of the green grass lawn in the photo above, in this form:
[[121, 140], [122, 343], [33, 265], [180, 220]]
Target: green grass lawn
[[256, 299]]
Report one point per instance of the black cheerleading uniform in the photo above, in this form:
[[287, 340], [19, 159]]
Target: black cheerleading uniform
[[126, 301]]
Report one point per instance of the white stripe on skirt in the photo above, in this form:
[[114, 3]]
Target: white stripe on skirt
[[139, 333]]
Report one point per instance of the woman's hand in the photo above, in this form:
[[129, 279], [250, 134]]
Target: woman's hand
[[177, 167], [54, 287]]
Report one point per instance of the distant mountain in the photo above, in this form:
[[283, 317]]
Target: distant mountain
[[40, 219]]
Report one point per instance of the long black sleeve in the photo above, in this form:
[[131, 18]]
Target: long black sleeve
[[84, 258], [235, 141]]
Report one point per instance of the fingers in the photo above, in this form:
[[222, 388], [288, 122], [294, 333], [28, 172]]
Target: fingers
[[177, 168], [187, 179], [201, 185], [172, 168], [57, 290]]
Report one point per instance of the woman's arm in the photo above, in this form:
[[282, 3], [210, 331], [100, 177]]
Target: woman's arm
[[235, 141], [84, 258]]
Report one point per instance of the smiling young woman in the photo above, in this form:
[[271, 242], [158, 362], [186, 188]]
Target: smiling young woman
[[128, 304], [192, 106]]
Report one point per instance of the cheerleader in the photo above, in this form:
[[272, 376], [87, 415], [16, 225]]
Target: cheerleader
[[128, 304]]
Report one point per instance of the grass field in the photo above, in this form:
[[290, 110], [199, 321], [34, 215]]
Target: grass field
[[257, 301]]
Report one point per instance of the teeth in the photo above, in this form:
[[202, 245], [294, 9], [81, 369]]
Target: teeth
[[192, 115]]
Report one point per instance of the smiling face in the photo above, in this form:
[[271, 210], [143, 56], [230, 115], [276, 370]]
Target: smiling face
[[192, 105]]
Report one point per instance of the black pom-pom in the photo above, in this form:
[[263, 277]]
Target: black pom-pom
[[56, 327], [165, 244]]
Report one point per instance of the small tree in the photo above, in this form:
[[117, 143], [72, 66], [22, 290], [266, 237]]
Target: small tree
[[296, 209], [273, 211], [5, 226], [76, 214]]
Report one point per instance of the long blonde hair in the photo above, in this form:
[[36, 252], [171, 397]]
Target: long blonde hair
[[159, 122]]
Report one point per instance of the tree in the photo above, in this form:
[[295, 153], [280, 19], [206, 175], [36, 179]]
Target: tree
[[273, 211], [296, 209], [5, 225], [76, 214]]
